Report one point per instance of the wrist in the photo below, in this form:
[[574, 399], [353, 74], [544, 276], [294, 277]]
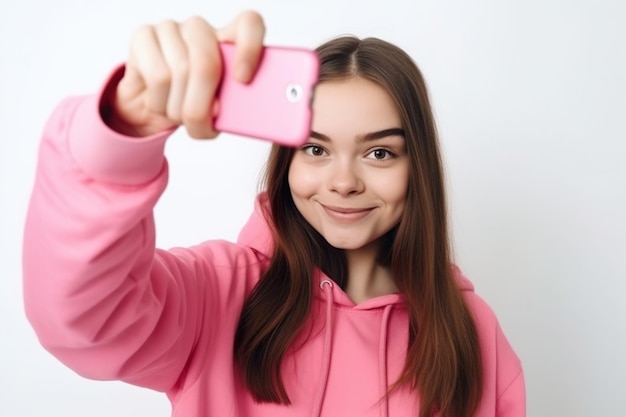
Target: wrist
[[113, 106]]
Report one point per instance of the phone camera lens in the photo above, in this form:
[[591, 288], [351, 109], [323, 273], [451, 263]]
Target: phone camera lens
[[294, 92]]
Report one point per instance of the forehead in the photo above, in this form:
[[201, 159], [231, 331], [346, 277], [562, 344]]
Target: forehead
[[353, 106]]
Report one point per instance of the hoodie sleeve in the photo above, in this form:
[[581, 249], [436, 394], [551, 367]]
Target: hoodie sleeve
[[98, 295]]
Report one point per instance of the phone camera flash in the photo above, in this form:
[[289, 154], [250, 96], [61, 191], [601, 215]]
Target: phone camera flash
[[294, 92]]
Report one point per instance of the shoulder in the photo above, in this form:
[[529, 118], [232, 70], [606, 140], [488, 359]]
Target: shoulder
[[482, 313], [495, 346]]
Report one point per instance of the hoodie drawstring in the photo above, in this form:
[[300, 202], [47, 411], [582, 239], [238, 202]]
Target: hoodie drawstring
[[382, 362], [326, 286]]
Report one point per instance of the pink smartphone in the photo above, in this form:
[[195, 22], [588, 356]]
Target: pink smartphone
[[276, 104]]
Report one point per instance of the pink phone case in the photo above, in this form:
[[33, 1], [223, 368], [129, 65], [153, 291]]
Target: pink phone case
[[276, 104]]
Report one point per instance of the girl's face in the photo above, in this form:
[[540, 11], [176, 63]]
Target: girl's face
[[350, 180]]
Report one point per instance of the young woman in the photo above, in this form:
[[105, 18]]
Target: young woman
[[339, 298]]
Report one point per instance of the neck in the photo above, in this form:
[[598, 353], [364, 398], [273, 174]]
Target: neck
[[366, 278]]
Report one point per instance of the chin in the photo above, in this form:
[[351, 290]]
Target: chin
[[344, 246], [347, 244]]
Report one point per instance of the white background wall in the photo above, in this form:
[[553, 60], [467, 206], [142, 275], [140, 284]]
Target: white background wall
[[530, 100]]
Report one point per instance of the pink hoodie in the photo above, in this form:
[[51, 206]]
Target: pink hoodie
[[110, 306]]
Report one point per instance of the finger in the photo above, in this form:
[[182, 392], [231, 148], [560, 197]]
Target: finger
[[175, 54], [205, 72], [247, 31], [147, 61]]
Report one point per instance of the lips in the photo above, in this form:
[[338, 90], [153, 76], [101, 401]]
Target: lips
[[347, 214]]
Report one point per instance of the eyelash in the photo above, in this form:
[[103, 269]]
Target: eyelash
[[388, 154], [309, 149]]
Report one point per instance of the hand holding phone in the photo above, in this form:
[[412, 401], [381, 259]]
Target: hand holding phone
[[276, 104], [181, 74]]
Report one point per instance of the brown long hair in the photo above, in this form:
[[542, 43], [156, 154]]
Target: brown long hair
[[443, 359]]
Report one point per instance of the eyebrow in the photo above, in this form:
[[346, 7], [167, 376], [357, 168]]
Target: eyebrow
[[379, 134]]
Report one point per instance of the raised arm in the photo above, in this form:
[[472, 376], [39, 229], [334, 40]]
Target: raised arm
[[98, 294]]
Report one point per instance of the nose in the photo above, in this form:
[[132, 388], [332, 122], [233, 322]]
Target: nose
[[345, 179]]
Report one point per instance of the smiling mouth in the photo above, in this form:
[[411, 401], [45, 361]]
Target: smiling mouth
[[346, 214]]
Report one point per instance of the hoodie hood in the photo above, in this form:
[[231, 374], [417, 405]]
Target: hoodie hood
[[256, 233]]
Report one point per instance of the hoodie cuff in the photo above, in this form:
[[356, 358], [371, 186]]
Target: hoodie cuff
[[106, 155]]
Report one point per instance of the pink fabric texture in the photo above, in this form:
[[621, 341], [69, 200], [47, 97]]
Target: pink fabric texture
[[110, 306]]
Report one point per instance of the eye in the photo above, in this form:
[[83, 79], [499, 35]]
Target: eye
[[313, 150], [380, 154]]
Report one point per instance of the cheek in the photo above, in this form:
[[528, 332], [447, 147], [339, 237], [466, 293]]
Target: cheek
[[302, 181], [393, 186]]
